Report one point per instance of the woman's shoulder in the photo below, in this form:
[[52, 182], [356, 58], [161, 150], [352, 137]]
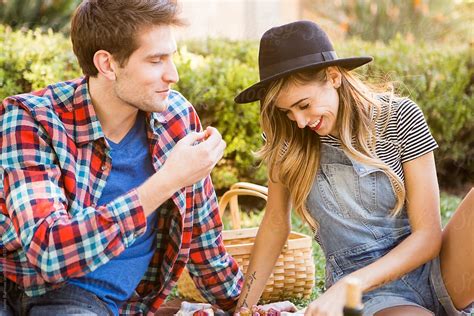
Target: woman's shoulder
[[396, 109]]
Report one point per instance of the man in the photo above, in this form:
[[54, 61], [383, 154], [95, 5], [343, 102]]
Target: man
[[105, 192]]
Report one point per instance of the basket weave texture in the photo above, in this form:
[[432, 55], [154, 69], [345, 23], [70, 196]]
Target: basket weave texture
[[293, 274]]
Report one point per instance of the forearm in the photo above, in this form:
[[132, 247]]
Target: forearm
[[61, 246], [117, 224], [217, 275], [415, 250], [268, 245], [422, 203]]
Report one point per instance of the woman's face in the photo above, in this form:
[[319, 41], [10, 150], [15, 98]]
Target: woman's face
[[312, 105]]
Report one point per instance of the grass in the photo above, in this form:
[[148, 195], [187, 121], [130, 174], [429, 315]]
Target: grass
[[252, 218]]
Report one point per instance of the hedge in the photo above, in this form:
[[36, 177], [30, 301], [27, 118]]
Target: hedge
[[439, 78]]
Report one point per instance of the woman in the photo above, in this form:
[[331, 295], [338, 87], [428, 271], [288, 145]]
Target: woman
[[359, 167]]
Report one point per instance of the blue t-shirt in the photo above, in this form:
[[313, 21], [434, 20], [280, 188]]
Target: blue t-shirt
[[115, 281]]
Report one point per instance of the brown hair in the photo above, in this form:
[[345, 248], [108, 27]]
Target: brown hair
[[113, 25]]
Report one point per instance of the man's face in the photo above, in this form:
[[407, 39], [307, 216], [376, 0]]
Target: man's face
[[144, 81]]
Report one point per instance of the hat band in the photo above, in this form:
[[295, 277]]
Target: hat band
[[298, 62]]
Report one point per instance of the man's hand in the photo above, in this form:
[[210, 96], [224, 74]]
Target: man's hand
[[194, 157], [191, 160]]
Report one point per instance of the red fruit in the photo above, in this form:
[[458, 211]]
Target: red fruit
[[273, 312], [200, 313]]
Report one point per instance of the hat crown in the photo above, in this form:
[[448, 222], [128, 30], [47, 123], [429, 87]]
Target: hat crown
[[293, 47], [290, 41]]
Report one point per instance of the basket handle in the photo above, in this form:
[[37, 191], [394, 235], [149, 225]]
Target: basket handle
[[250, 186], [231, 196]]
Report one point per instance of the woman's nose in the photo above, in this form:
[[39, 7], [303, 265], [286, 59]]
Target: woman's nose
[[300, 119]]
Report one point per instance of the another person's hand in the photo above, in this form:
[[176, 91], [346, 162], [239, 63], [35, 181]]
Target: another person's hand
[[331, 303], [194, 156]]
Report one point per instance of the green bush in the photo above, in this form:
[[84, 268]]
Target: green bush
[[55, 14], [439, 78], [31, 60]]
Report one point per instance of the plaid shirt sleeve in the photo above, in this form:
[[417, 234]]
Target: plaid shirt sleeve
[[59, 243], [213, 270]]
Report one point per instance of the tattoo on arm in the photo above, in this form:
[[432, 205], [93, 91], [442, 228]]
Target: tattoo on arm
[[248, 285]]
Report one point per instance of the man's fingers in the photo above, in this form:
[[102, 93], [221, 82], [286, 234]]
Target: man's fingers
[[219, 151], [192, 137], [213, 137]]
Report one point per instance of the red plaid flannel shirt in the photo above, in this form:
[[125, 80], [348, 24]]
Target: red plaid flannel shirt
[[54, 166]]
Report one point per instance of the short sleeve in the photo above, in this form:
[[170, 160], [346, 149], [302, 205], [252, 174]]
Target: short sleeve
[[413, 134]]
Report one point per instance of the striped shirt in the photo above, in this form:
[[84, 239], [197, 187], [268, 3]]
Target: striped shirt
[[401, 134], [54, 164]]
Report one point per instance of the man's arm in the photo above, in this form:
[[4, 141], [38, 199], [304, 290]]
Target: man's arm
[[213, 270], [59, 243]]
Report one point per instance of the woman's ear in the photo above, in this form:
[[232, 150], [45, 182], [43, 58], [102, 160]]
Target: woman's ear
[[105, 64], [334, 76]]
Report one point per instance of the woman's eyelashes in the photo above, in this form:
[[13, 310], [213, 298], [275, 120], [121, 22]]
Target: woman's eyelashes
[[301, 107]]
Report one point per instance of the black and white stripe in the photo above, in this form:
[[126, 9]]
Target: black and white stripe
[[404, 137]]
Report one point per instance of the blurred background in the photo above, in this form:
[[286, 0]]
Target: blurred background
[[434, 20]]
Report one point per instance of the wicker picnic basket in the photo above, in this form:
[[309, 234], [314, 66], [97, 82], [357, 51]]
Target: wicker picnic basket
[[293, 274]]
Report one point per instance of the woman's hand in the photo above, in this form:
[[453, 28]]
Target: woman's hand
[[331, 303]]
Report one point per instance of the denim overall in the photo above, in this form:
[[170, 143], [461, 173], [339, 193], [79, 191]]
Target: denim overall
[[351, 203]]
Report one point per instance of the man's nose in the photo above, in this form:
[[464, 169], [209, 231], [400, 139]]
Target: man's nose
[[171, 73]]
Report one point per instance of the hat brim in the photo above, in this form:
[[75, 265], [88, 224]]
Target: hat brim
[[257, 91]]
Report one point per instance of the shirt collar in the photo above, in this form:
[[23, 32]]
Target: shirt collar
[[78, 116], [156, 119], [82, 122]]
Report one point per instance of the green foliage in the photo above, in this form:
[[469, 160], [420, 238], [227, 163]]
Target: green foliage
[[31, 60], [53, 14], [438, 77], [448, 204]]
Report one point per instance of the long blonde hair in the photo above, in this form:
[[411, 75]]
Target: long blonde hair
[[295, 152]]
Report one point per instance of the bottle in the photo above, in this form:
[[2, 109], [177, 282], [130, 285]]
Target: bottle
[[353, 306]]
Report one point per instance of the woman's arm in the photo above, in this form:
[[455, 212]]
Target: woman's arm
[[271, 237], [423, 244]]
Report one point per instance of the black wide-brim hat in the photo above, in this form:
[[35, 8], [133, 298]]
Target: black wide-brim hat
[[290, 48]]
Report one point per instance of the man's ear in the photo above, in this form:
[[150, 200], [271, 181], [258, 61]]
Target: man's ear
[[105, 64], [334, 76]]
